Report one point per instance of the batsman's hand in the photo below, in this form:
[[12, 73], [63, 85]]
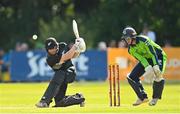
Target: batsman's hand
[[77, 47], [81, 43], [149, 74]]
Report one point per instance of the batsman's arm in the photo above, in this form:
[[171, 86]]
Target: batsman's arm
[[76, 54], [69, 54]]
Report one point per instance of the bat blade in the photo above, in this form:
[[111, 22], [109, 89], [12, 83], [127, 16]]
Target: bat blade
[[75, 29]]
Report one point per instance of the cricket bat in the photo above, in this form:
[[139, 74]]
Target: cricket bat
[[75, 29], [76, 33]]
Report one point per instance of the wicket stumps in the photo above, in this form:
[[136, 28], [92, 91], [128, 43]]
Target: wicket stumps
[[114, 84]]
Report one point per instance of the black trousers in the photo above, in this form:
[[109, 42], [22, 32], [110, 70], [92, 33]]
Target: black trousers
[[61, 93], [69, 77], [134, 80], [58, 85], [137, 72]]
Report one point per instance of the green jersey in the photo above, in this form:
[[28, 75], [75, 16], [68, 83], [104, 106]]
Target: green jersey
[[145, 49]]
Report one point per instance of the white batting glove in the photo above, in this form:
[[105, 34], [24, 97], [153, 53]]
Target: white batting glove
[[81, 43], [77, 47], [77, 40], [149, 74]]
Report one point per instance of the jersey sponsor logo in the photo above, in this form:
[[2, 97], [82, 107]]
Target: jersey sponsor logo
[[160, 62], [63, 52]]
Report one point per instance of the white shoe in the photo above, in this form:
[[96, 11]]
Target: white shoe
[[153, 102], [139, 101], [82, 104], [42, 104]]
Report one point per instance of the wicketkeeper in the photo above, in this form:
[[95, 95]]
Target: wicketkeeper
[[151, 65], [59, 59]]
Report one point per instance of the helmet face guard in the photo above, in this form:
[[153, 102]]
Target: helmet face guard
[[126, 39]]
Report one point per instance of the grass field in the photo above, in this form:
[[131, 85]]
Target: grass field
[[21, 97]]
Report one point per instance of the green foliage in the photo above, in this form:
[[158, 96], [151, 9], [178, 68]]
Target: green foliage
[[58, 28], [97, 19], [113, 15]]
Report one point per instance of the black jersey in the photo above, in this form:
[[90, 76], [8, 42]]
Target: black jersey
[[53, 60]]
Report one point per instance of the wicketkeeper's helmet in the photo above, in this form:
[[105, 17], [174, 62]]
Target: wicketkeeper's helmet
[[129, 32]]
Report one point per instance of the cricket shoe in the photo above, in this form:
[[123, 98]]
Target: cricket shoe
[[153, 102], [139, 101], [79, 95], [82, 104], [42, 104]]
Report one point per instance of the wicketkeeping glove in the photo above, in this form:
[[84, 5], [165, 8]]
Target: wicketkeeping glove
[[149, 74], [157, 71]]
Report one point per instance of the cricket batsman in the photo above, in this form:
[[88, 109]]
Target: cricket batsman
[[151, 65], [59, 57]]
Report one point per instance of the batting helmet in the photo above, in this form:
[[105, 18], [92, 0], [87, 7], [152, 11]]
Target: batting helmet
[[50, 43]]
